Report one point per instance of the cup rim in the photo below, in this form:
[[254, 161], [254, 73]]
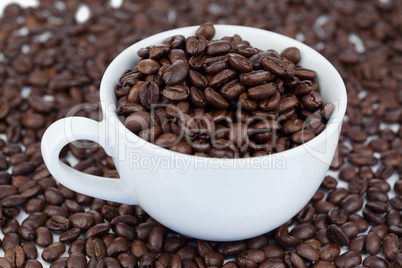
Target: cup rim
[[109, 114]]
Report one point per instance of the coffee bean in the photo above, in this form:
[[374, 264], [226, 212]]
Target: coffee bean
[[58, 224], [380, 230], [175, 73], [337, 235], [292, 54], [155, 239], [149, 95], [70, 235], [53, 252], [59, 263], [352, 203], [393, 217], [82, 220], [375, 261], [111, 262], [372, 217], [213, 259], [239, 63], [207, 30], [127, 260], [176, 92], [43, 237], [390, 246], [255, 78], [95, 248], [348, 259], [338, 216], [31, 263], [215, 99], [358, 243], [158, 51], [337, 195], [307, 252], [15, 256], [77, 246], [97, 230], [232, 89], [196, 45], [148, 66], [30, 250], [76, 260], [373, 243]]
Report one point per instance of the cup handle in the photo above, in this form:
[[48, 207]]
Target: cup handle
[[70, 129]]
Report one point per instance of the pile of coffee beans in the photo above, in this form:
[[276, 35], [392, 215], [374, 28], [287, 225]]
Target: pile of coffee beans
[[221, 98], [49, 63]]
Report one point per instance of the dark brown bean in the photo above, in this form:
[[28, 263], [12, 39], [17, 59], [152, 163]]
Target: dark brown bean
[[53, 252]]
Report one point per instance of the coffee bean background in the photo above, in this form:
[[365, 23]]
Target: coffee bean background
[[50, 62]]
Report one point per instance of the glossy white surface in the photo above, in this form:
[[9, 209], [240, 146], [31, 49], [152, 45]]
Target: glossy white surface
[[211, 199]]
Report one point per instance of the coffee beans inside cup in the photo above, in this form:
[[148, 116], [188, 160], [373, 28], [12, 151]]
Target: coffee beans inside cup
[[221, 98]]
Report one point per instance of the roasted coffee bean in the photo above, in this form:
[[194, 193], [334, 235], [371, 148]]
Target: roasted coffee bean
[[158, 51], [352, 203], [215, 99], [176, 92], [77, 246], [239, 63], [393, 217], [97, 230], [232, 89], [294, 259], [329, 252], [348, 259], [15, 256], [337, 235], [372, 217], [30, 250], [58, 224], [155, 239], [247, 103], [149, 95], [292, 54], [337, 216], [207, 30], [138, 121], [196, 45], [213, 259], [82, 220], [390, 246], [358, 243], [31, 263], [175, 73], [43, 237], [76, 260], [95, 248], [323, 206], [337, 195], [255, 78], [308, 252], [53, 252], [148, 66], [70, 235], [375, 261], [230, 249], [218, 47], [350, 229], [127, 260], [373, 243]]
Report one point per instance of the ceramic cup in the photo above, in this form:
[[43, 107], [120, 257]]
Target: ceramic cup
[[201, 197]]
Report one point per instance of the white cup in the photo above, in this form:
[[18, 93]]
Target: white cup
[[205, 198]]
